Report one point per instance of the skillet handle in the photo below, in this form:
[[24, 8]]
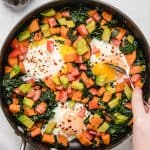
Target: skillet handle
[[23, 145]]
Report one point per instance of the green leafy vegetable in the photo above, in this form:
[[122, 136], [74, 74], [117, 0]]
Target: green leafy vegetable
[[97, 33], [113, 23], [10, 84], [71, 36], [49, 98], [79, 15], [140, 60], [128, 47]]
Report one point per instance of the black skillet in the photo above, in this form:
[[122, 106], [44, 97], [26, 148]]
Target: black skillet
[[60, 4]]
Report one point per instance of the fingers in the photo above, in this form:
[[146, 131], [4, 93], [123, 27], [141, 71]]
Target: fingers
[[137, 102]]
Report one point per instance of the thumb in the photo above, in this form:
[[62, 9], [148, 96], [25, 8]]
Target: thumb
[[137, 103]]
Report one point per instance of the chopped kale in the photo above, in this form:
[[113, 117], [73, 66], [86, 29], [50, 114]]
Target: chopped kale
[[40, 83], [59, 41], [86, 93], [46, 116], [49, 97], [79, 15], [140, 60], [128, 47], [97, 33], [113, 23], [71, 36], [10, 84]]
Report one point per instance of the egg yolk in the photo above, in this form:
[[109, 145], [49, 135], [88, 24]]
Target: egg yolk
[[72, 124]]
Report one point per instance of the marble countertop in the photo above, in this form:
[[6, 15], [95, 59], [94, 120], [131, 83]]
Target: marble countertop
[[138, 12]]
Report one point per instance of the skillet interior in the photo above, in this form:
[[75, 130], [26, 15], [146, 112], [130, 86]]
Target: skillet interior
[[60, 4]]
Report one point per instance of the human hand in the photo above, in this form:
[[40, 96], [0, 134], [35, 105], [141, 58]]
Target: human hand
[[141, 122]]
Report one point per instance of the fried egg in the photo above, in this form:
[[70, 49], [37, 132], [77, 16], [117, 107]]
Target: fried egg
[[69, 121], [39, 62], [108, 53]]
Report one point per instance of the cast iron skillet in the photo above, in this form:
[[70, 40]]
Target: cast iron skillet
[[60, 4]]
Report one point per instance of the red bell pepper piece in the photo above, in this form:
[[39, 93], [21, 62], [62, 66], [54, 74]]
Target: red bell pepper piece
[[81, 113], [75, 72], [69, 90], [14, 43], [116, 42], [96, 17], [70, 77], [61, 96], [50, 45], [15, 52], [89, 20], [83, 67], [41, 108], [79, 59], [66, 14], [82, 30], [52, 22], [95, 49]]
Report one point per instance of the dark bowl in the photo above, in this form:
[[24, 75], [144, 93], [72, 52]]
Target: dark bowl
[[60, 4]]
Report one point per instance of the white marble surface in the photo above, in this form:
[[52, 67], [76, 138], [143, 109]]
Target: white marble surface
[[138, 10]]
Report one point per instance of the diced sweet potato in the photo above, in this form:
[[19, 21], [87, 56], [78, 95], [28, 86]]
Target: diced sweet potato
[[14, 108], [95, 121], [29, 112], [83, 139], [77, 95], [55, 30], [136, 69], [121, 33], [93, 104], [7, 69], [36, 132], [120, 87], [107, 16], [131, 57], [106, 97], [70, 57], [48, 138], [34, 26], [106, 138], [64, 31], [62, 140], [49, 83], [12, 61], [101, 91], [38, 36]]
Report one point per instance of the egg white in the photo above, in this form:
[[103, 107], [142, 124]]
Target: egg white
[[60, 112], [108, 54], [39, 62]]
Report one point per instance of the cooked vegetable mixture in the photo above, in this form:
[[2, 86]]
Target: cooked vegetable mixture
[[58, 83]]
